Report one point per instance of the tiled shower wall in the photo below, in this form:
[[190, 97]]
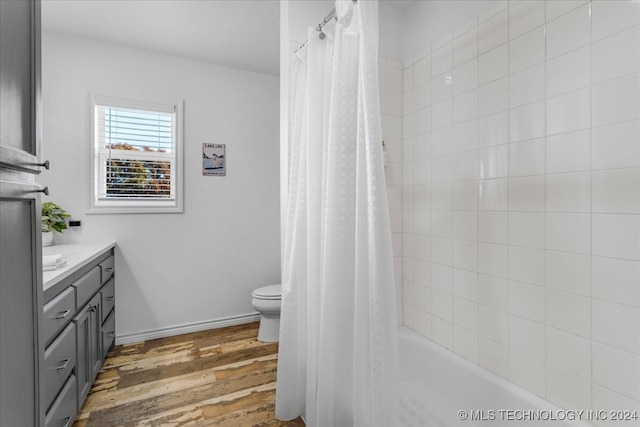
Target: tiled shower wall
[[514, 188]]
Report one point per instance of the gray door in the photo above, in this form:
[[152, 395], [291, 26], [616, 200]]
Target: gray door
[[21, 349]]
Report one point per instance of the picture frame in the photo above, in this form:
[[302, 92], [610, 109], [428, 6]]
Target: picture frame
[[214, 159]]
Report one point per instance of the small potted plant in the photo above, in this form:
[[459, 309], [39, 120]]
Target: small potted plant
[[52, 220]]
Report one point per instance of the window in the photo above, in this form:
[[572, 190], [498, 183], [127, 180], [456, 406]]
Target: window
[[137, 150]]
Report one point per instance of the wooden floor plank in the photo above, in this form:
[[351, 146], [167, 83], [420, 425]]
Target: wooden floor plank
[[220, 377]]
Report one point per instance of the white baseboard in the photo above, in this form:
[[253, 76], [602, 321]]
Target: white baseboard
[[185, 329]]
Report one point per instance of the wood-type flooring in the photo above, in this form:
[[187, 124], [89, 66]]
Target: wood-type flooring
[[220, 377]]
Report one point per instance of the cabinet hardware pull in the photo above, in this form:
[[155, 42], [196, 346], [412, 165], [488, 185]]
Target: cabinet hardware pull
[[111, 334], [66, 421], [63, 365], [109, 269], [62, 314], [109, 298], [45, 164], [44, 190]]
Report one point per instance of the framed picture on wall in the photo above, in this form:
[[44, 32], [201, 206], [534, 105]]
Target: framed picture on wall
[[214, 160]]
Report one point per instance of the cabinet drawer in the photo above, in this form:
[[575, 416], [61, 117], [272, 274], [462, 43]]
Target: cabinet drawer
[[108, 333], [87, 286], [59, 361], [106, 268], [58, 312], [64, 409], [108, 293]]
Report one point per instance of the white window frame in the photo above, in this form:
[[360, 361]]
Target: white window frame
[[98, 156]]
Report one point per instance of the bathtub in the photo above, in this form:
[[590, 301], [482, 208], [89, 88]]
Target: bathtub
[[437, 385]]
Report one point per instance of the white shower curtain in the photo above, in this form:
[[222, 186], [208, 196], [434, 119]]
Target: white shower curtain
[[338, 344]]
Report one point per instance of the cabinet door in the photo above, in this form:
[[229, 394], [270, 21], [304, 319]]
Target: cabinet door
[[21, 349], [89, 346], [20, 83]]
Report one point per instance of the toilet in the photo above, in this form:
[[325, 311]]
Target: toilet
[[267, 300]]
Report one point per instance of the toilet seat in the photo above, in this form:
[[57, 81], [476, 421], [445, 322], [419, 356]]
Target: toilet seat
[[272, 292]]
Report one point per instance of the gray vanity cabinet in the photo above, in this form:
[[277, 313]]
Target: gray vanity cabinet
[[79, 327]]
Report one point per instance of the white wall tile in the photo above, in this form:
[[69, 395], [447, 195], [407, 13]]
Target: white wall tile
[[527, 372], [493, 259], [617, 370], [465, 77], [527, 301], [493, 227], [569, 352], [442, 224], [421, 96], [441, 275], [465, 195], [442, 305], [465, 47], [609, 17], [569, 72], [494, 162], [442, 59], [616, 56], [494, 129], [569, 32], [527, 193], [569, 192], [442, 87], [493, 64], [527, 50], [616, 280], [616, 101], [526, 265], [465, 136], [465, 254], [608, 400], [527, 158], [393, 79], [441, 142], [524, 16], [421, 122], [465, 166], [465, 343], [422, 222], [422, 70], [526, 230], [494, 97], [465, 284], [568, 390], [616, 236], [527, 86], [493, 324], [527, 337], [407, 173], [493, 32], [556, 8], [493, 356], [422, 296], [568, 232], [616, 146], [527, 122], [569, 313], [465, 314], [442, 332], [442, 114], [493, 292], [568, 272], [616, 191], [569, 152], [493, 194], [569, 112], [441, 168], [616, 325], [422, 197], [422, 247], [465, 106]]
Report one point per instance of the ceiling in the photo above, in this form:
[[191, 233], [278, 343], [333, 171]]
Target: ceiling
[[240, 34]]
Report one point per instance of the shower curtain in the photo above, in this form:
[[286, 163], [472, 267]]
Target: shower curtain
[[338, 333]]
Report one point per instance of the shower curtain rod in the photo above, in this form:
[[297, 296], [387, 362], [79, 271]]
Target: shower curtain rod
[[331, 15]]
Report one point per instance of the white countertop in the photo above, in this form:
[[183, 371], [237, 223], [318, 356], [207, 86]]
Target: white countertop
[[77, 255]]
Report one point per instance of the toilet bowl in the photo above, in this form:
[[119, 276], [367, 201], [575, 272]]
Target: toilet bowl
[[267, 300]]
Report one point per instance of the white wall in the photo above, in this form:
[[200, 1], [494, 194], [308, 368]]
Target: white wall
[[521, 197], [172, 269]]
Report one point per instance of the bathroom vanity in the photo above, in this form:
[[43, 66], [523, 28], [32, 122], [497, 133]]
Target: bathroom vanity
[[78, 326]]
